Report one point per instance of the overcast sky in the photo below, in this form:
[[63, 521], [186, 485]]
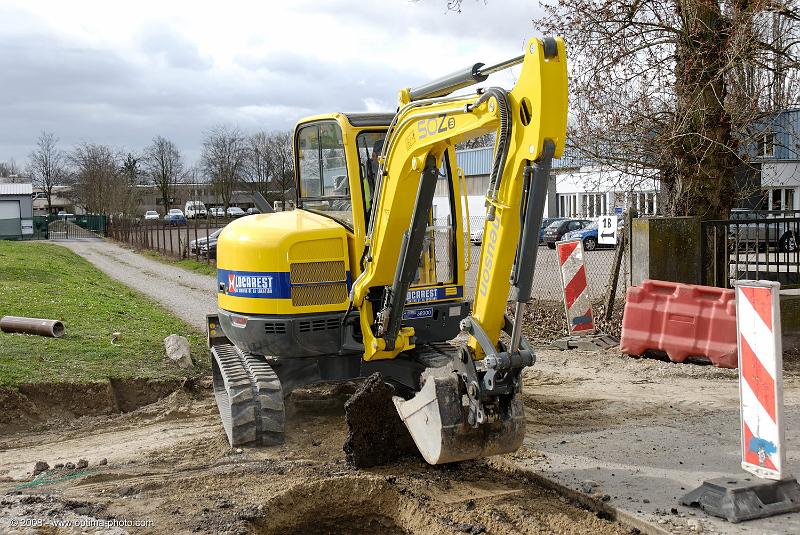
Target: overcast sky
[[121, 73]]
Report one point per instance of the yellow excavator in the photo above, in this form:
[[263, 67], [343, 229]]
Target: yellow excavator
[[368, 273]]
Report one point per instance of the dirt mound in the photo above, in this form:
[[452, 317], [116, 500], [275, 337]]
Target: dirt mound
[[376, 434], [27, 405]]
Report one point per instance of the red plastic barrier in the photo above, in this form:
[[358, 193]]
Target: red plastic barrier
[[683, 320]]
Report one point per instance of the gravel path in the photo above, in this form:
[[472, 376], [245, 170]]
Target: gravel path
[[190, 296]]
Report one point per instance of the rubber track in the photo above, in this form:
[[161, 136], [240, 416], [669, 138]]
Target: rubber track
[[249, 397]]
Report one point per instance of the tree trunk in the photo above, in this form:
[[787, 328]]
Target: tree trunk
[[703, 144]]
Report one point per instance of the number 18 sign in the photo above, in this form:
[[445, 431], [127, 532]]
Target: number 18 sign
[[607, 230]]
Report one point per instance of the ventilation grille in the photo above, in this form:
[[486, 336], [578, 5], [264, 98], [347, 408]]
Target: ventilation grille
[[313, 272], [316, 250], [328, 324], [275, 327], [319, 294]]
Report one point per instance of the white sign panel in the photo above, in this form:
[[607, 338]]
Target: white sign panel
[[27, 227], [760, 377], [607, 230]]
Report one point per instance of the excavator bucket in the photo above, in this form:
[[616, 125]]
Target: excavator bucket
[[437, 420]]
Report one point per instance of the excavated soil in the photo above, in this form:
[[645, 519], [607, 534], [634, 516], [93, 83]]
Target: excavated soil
[[167, 465], [375, 433], [28, 404]]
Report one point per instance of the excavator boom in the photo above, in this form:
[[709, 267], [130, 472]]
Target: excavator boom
[[468, 408]]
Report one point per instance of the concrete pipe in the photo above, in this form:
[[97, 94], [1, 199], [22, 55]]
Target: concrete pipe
[[42, 327]]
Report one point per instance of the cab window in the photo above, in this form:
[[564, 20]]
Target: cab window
[[322, 169], [369, 146]]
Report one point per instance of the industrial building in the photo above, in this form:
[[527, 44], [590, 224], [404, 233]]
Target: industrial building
[[16, 211]]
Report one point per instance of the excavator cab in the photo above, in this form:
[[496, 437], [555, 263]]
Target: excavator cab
[[337, 165], [368, 274]]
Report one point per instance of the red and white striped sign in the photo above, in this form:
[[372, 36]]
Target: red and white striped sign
[[577, 302], [758, 325]]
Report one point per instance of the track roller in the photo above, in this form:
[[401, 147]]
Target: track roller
[[249, 397]]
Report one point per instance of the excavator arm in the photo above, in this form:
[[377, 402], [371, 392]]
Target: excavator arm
[[468, 408], [530, 121]]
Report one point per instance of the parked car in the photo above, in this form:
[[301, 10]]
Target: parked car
[[546, 222], [251, 211], [235, 211], [195, 209], [476, 234], [151, 215], [65, 216], [175, 218], [216, 211], [556, 230], [205, 247], [588, 235], [760, 230]]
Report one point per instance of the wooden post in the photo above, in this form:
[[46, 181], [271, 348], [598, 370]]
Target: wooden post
[[208, 255], [613, 279]]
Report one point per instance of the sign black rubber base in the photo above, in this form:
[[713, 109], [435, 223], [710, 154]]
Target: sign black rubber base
[[589, 342], [745, 498]]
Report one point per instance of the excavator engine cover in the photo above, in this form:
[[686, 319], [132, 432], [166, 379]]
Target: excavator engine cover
[[437, 418]]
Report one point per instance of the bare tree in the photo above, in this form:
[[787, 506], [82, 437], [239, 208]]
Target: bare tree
[[47, 166], [682, 86], [270, 165], [282, 150], [131, 174], [486, 140], [223, 160], [164, 166], [97, 180], [9, 168], [259, 166]]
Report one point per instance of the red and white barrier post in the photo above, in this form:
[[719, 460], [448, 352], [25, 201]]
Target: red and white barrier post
[[577, 302], [758, 330], [581, 332], [773, 492]]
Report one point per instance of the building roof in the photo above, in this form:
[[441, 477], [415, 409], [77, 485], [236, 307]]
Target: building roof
[[479, 161], [16, 189]]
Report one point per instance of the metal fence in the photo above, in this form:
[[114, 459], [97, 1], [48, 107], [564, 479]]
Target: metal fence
[[752, 245], [545, 317], [177, 240], [52, 227]]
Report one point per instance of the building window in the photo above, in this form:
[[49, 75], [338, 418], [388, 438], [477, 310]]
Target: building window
[[594, 204], [779, 199], [567, 205], [643, 202], [766, 144]]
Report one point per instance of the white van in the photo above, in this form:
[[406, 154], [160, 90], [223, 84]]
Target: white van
[[195, 209]]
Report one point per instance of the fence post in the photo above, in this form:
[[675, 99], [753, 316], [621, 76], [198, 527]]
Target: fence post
[[613, 279]]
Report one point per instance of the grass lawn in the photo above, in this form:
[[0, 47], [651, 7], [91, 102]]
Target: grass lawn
[[187, 263], [48, 281]]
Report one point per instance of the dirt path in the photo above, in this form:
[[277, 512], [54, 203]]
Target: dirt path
[[188, 295]]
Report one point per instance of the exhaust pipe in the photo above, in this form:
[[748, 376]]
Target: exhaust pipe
[[41, 327]]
